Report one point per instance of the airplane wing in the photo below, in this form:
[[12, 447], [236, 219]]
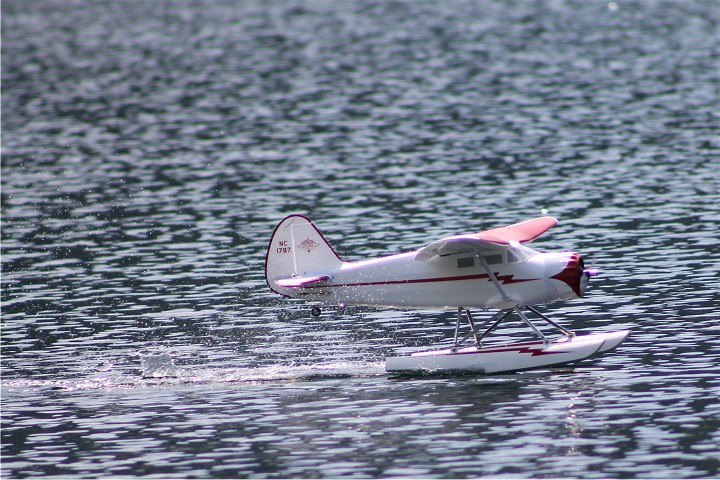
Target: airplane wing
[[488, 239], [297, 282], [519, 232]]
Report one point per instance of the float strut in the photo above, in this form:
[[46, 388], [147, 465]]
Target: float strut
[[457, 327], [530, 324], [564, 330], [472, 327], [498, 317]]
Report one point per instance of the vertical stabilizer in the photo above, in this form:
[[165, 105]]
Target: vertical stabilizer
[[298, 249]]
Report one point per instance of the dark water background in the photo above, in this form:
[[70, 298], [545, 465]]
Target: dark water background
[[149, 148]]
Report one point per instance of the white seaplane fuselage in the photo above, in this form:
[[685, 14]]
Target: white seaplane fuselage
[[452, 272], [402, 281]]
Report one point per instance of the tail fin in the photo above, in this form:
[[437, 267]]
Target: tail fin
[[298, 249]]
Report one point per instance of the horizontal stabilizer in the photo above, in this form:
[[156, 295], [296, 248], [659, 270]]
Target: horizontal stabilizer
[[297, 282]]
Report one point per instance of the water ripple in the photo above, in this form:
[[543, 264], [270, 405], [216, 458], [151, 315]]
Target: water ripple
[[148, 155]]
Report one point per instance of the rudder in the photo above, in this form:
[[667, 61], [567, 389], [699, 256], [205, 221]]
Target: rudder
[[297, 248]]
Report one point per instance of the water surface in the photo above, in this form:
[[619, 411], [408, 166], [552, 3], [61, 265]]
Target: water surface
[[149, 149]]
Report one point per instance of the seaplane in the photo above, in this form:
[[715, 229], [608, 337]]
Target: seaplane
[[489, 270]]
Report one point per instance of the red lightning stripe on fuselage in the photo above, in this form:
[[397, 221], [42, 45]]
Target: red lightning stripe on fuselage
[[505, 279]]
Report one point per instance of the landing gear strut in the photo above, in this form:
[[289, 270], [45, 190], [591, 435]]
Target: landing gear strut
[[496, 320]]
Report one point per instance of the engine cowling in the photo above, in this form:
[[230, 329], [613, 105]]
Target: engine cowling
[[574, 274]]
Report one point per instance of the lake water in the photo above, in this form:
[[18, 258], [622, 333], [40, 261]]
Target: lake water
[[149, 149]]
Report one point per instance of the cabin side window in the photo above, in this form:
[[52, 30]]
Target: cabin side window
[[469, 262], [466, 262], [493, 259]]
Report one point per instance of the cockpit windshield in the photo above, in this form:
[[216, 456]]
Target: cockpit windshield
[[519, 253]]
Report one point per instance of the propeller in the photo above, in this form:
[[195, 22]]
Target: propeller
[[585, 274]]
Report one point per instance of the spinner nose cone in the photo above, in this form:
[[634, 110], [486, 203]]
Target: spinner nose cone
[[585, 276], [575, 275]]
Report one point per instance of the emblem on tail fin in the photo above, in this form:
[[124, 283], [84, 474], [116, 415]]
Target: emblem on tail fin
[[308, 244]]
